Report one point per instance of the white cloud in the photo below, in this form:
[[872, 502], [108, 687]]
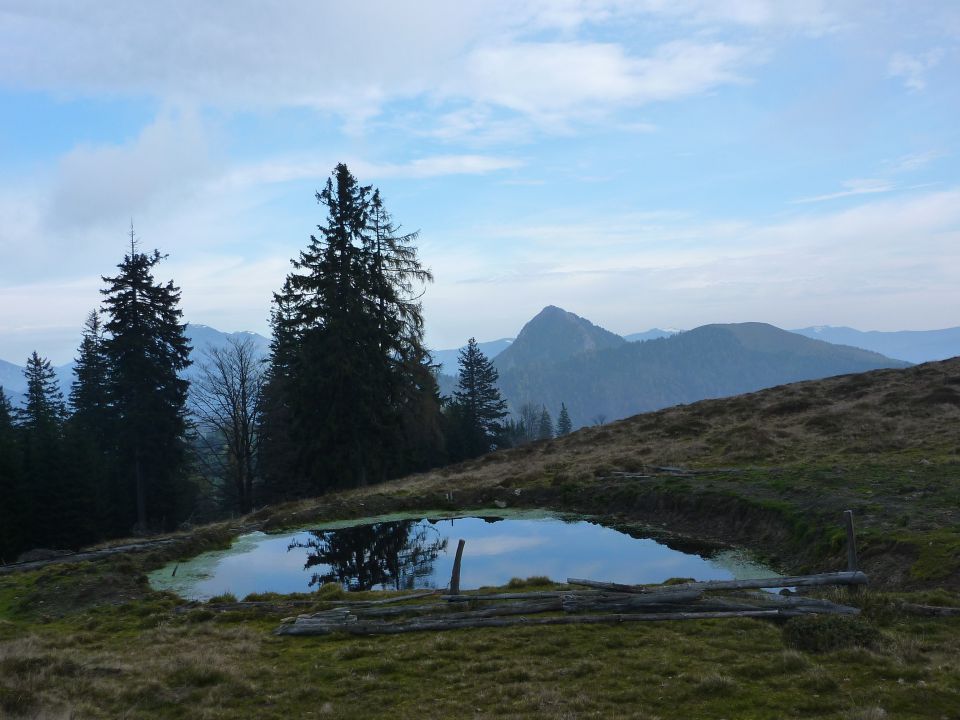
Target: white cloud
[[864, 186], [285, 170], [99, 184], [547, 80], [911, 162], [352, 58], [913, 69]]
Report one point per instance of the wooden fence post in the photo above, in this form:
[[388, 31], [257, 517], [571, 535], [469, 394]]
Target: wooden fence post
[[851, 541], [852, 562], [455, 577]]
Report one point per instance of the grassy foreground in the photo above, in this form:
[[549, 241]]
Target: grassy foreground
[[141, 659], [771, 471]]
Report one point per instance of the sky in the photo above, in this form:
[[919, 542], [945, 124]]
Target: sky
[[645, 163]]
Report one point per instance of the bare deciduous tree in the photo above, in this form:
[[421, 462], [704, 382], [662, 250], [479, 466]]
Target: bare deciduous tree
[[227, 402]]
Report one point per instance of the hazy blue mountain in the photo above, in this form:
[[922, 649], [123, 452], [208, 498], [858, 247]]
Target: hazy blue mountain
[[707, 362], [651, 334], [12, 381], [554, 335], [447, 384], [447, 359], [916, 346], [202, 337]]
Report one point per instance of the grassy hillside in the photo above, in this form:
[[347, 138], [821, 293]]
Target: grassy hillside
[[771, 470]]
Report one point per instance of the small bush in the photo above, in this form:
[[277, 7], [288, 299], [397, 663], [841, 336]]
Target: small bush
[[532, 581], [331, 591], [823, 633], [226, 597]]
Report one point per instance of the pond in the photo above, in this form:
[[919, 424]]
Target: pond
[[390, 553]]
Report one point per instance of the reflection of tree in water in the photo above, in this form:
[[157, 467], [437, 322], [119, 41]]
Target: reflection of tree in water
[[388, 554]]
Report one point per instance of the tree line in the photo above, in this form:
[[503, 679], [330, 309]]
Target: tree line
[[347, 396]]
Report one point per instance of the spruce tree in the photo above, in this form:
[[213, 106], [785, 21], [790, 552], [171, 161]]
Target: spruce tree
[[146, 349], [350, 397], [477, 401], [564, 424], [89, 438], [12, 485], [43, 407], [48, 506], [545, 426], [89, 393]]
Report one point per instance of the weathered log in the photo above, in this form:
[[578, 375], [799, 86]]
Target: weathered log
[[573, 602], [443, 610], [930, 610], [306, 628], [509, 596], [798, 601], [284, 605], [834, 578]]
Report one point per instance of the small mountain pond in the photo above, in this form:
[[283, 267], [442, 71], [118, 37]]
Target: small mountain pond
[[399, 553]]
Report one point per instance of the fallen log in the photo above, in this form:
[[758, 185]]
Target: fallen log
[[283, 605], [799, 601], [508, 596], [574, 602], [929, 610], [443, 610], [834, 578], [306, 628]]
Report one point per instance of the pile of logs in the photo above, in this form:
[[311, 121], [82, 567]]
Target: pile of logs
[[598, 602]]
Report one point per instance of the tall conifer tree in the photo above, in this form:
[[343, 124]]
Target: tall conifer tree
[[100, 489], [545, 426], [348, 369], [146, 348], [478, 405], [89, 393], [564, 424], [47, 506], [12, 485]]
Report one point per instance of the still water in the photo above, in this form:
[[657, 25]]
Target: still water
[[395, 554]]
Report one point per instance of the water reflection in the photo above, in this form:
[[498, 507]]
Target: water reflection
[[402, 553], [395, 555]]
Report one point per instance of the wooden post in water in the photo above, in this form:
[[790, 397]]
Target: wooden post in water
[[455, 577], [851, 541]]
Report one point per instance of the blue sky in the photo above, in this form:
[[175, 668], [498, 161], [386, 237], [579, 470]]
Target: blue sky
[[644, 163]]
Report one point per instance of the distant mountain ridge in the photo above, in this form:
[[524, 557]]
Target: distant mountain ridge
[[708, 362], [201, 338], [651, 334], [448, 359], [916, 346]]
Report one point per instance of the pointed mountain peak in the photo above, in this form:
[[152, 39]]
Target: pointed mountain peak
[[554, 335]]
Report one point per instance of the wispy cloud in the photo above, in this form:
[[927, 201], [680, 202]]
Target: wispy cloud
[[286, 170], [865, 186], [911, 162], [547, 80], [913, 69]]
